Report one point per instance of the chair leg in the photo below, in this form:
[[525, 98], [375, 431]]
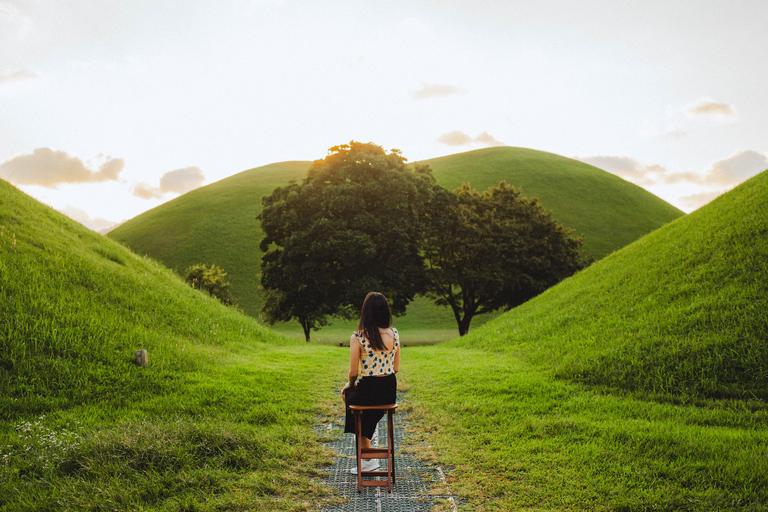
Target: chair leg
[[358, 448], [391, 434]]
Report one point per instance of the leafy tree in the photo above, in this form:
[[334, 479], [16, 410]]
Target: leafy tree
[[210, 280], [355, 224], [495, 250]]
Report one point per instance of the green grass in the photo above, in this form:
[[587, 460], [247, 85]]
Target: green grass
[[638, 384], [222, 419], [516, 438], [216, 224], [681, 310]]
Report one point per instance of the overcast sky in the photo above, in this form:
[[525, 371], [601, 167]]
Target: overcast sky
[[109, 108]]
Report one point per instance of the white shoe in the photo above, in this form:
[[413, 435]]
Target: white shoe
[[366, 465]]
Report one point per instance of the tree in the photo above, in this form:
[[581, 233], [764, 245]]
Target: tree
[[355, 224], [495, 250], [210, 280]]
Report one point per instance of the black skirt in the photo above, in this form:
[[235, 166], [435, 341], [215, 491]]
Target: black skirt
[[370, 391]]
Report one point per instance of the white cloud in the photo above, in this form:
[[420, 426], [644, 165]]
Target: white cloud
[[707, 108], [488, 140], [49, 168], [179, 181], [17, 75], [98, 224], [436, 91], [737, 168], [455, 139], [683, 119], [730, 171], [626, 167], [146, 191], [696, 201], [721, 176], [182, 181], [459, 138], [673, 131]]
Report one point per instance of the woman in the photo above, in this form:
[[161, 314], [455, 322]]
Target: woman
[[374, 353]]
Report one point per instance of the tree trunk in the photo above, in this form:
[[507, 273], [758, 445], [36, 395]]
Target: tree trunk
[[464, 324], [306, 325]]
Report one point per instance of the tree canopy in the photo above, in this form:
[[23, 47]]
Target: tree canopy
[[355, 224], [495, 250]]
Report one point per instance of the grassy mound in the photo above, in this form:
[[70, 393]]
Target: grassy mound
[[216, 224], [203, 427], [606, 210], [681, 310], [637, 384]]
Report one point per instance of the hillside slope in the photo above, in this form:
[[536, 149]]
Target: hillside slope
[[216, 224], [639, 384], [606, 210], [203, 427], [75, 306], [682, 310]]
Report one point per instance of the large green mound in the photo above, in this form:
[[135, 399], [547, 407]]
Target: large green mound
[[216, 224], [606, 210], [75, 306], [681, 311], [203, 427]]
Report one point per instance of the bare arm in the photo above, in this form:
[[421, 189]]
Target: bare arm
[[354, 359], [397, 359], [354, 362]]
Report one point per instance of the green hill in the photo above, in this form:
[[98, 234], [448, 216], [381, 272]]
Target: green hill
[[638, 384], [606, 210], [203, 427], [682, 310], [216, 224]]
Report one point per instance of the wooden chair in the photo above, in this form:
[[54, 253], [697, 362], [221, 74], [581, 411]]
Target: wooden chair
[[375, 453]]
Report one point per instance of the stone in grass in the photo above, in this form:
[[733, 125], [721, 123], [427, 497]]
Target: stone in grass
[[142, 357]]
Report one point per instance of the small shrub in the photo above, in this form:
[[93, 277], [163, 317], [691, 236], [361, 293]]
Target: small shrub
[[210, 280]]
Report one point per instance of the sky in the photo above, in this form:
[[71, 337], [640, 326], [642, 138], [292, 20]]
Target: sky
[[109, 108]]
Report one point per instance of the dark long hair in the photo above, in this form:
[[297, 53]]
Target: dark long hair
[[375, 314]]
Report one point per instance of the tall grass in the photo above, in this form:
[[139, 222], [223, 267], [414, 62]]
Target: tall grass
[[222, 418]]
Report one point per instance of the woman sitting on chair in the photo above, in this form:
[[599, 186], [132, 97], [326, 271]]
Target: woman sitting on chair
[[374, 353]]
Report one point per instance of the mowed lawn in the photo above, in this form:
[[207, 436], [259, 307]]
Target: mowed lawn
[[516, 438]]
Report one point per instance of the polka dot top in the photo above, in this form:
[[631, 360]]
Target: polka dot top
[[377, 363]]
